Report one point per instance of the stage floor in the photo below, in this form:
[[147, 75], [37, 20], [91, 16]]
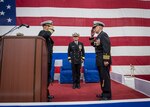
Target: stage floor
[[88, 91]]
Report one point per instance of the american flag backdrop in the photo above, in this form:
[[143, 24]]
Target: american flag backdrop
[[127, 23]]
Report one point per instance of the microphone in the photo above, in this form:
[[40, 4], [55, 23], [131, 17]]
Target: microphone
[[16, 27], [27, 26]]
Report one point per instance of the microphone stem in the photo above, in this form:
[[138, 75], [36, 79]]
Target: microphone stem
[[11, 30]]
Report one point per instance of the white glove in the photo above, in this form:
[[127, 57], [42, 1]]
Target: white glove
[[106, 63], [82, 60], [70, 61]]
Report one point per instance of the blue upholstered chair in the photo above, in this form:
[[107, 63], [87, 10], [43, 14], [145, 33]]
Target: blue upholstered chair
[[66, 72], [90, 70]]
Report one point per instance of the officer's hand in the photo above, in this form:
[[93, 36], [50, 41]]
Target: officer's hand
[[70, 61], [82, 60], [106, 63], [51, 29]]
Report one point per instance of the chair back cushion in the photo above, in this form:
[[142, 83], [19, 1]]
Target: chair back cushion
[[66, 64], [90, 63]]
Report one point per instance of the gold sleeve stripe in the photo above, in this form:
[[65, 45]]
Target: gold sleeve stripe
[[91, 38], [106, 57], [83, 57], [51, 30], [69, 58]]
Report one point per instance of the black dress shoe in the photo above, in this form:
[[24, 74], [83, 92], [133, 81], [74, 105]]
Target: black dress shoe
[[74, 86], [50, 96], [99, 95], [105, 98], [78, 86]]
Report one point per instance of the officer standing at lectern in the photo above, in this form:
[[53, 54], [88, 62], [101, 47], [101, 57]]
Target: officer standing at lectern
[[76, 57], [103, 57], [46, 33]]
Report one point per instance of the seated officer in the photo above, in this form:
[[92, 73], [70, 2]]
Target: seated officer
[[76, 57]]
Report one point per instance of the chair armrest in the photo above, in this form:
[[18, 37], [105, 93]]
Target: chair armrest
[[61, 69]]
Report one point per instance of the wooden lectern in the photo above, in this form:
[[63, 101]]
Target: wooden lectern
[[23, 69]]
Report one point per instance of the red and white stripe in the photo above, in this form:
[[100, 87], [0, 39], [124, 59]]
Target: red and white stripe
[[127, 24]]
